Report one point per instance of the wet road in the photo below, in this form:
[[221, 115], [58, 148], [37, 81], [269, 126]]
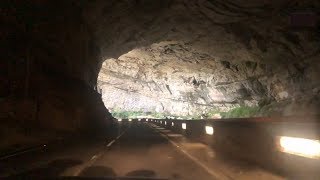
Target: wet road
[[137, 149], [133, 150], [142, 149]]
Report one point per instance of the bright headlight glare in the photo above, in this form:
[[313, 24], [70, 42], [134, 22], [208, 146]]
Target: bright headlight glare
[[209, 130], [184, 126], [300, 146], [165, 123], [139, 119], [119, 120], [130, 119], [147, 120], [172, 124]]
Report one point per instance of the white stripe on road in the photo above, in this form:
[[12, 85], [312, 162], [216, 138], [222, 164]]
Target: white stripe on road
[[97, 156], [94, 157], [90, 163], [195, 160], [121, 134], [113, 141], [22, 152], [110, 143]]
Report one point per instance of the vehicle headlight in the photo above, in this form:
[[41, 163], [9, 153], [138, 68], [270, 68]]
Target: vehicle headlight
[[119, 120]]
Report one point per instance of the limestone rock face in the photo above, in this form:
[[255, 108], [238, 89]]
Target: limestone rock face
[[186, 57], [173, 78]]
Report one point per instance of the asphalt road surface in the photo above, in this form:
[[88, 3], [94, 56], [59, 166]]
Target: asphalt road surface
[[136, 149]]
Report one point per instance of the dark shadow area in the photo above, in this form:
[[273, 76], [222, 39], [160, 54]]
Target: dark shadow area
[[136, 137], [97, 171], [142, 173], [102, 172], [52, 169]]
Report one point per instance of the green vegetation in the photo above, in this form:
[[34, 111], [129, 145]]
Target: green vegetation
[[239, 112], [135, 114], [126, 114], [212, 112]]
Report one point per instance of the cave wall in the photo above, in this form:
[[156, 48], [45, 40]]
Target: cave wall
[[54, 50], [266, 55], [49, 67]]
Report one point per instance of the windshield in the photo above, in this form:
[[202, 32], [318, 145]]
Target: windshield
[[160, 89]]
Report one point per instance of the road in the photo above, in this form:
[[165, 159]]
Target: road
[[137, 150], [134, 149]]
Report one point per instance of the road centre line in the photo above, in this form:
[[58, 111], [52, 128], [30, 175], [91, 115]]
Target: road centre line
[[195, 160]]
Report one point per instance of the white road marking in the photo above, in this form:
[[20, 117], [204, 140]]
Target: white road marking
[[21, 152], [121, 134], [90, 163], [110, 143], [195, 160], [95, 157]]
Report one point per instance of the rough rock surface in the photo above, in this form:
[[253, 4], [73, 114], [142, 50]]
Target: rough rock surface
[[172, 78], [209, 54], [48, 70], [50, 43]]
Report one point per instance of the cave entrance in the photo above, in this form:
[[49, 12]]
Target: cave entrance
[[169, 79]]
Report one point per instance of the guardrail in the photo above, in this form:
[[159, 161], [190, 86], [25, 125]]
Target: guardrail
[[286, 145]]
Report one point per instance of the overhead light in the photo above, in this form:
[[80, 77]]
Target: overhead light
[[119, 120], [130, 120], [300, 146], [172, 124], [184, 126], [209, 130]]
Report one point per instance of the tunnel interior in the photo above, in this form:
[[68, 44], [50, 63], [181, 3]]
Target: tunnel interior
[[68, 65]]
